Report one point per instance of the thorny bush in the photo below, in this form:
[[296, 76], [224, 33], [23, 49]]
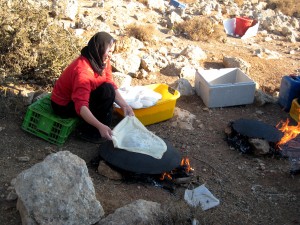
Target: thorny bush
[[288, 7], [33, 47], [141, 32], [200, 29]]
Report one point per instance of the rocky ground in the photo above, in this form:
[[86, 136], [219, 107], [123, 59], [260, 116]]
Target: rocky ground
[[251, 189]]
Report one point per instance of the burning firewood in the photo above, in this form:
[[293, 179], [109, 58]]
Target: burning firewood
[[255, 137]]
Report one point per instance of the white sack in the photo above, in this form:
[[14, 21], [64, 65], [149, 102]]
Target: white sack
[[131, 135], [201, 196]]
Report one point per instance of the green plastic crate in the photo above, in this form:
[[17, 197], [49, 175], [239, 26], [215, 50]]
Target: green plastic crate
[[41, 121]]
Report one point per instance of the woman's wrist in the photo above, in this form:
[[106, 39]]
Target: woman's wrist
[[124, 105], [99, 125]]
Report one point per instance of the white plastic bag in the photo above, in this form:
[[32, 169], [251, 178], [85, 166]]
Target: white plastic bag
[[201, 196], [131, 135], [140, 96]]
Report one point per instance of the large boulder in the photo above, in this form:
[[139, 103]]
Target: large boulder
[[57, 191]]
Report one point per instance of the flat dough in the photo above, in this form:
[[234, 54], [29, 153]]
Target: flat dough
[[131, 135], [140, 96]]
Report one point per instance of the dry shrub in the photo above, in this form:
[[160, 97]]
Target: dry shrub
[[188, 1], [144, 2], [239, 2], [201, 29], [32, 47], [141, 32], [288, 7], [219, 33], [123, 44], [175, 212]]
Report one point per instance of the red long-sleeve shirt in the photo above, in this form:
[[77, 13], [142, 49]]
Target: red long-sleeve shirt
[[77, 81]]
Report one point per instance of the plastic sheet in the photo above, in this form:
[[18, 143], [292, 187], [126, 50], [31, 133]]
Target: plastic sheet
[[140, 96], [201, 196]]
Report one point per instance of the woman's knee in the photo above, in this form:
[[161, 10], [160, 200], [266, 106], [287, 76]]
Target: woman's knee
[[109, 88], [103, 95]]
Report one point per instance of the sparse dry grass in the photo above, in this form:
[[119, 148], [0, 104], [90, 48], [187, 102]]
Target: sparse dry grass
[[141, 32], [201, 29], [177, 212], [122, 44], [239, 2], [288, 7]]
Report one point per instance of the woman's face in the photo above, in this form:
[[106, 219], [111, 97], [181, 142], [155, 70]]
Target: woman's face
[[108, 53]]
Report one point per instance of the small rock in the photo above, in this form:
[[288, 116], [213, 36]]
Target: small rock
[[12, 196], [262, 166], [228, 130], [262, 98], [292, 52], [259, 112], [201, 126], [268, 39], [261, 147], [256, 187]]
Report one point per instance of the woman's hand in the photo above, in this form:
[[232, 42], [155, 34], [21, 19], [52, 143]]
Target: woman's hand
[[105, 132], [128, 111], [87, 115]]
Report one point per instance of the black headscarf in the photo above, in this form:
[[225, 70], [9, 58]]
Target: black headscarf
[[95, 50]]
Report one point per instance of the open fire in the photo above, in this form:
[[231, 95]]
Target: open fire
[[165, 172], [251, 136], [246, 135], [184, 170], [290, 144], [181, 175], [289, 132]]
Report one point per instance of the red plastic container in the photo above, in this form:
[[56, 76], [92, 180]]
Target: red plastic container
[[241, 25]]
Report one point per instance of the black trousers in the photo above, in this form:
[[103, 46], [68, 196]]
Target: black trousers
[[100, 103]]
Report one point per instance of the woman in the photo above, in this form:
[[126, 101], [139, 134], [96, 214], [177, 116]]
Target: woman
[[86, 88]]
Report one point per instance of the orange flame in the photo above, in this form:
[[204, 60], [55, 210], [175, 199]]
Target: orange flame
[[165, 175], [186, 162], [289, 132]]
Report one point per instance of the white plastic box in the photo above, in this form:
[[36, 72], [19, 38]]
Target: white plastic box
[[224, 87]]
